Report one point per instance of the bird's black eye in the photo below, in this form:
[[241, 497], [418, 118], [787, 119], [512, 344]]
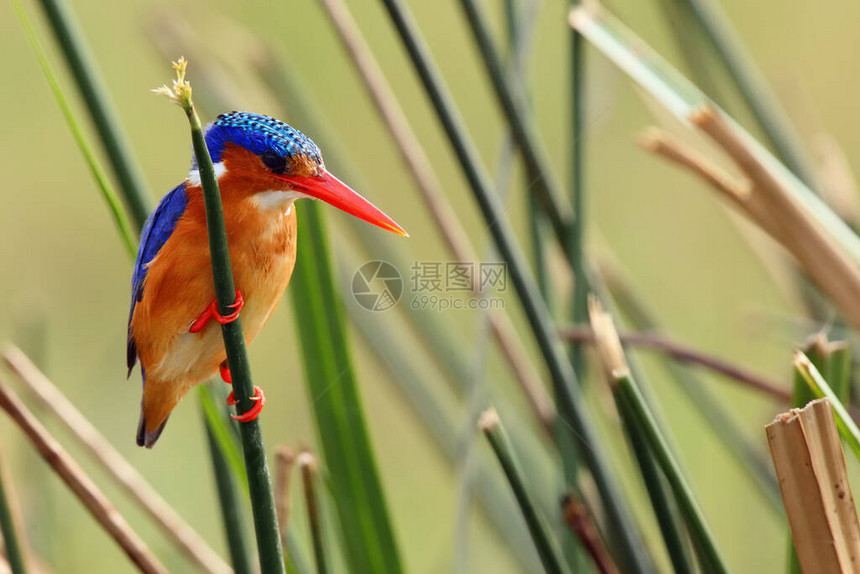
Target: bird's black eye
[[274, 162]]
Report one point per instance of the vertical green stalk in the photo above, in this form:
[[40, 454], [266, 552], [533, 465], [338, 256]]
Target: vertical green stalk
[[548, 551], [568, 392], [9, 531], [260, 485], [815, 350], [84, 70], [577, 182], [514, 103], [515, 13], [661, 501], [230, 505], [839, 353], [635, 404]]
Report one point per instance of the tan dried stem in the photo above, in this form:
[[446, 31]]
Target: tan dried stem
[[80, 484], [738, 192], [776, 211], [419, 166], [813, 480], [117, 467], [285, 458], [607, 342]]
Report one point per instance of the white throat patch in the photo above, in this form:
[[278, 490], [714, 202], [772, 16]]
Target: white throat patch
[[275, 199], [194, 174]]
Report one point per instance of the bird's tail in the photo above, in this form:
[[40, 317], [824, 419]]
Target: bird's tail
[[159, 399], [145, 438]]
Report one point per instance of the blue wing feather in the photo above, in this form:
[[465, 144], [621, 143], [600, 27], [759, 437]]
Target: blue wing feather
[[156, 231]]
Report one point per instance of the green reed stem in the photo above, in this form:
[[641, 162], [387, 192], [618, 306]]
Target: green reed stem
[[658, 492], [514, 102], [635, 403], [85, 72], [109, 194], [259, 482], [515, 13], [231, 509], [548, 551], [568, 391], [579, 307]]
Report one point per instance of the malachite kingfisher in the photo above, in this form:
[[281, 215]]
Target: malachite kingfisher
[[263, 166]]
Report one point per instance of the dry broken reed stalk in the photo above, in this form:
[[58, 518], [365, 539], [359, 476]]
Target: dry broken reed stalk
[[80, 484], [430, 188], [79, 427], [310, 476], [813, 479], [763, 197]]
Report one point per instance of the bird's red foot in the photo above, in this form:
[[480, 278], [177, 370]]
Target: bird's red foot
[[225, 373], [211, 312], [259, 400]]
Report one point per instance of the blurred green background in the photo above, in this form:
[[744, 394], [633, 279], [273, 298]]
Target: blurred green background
[[65, 276]]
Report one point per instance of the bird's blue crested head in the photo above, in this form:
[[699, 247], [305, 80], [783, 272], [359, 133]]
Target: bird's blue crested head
[[264, 136]]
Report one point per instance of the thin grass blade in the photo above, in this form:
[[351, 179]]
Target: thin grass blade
[[109, 194], [85, 72]]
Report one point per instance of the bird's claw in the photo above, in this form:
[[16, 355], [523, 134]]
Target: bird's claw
[[259, 400], [211, 312], [225, 373]]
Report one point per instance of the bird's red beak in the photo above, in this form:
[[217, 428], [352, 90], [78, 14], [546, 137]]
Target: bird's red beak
[[336, 193]]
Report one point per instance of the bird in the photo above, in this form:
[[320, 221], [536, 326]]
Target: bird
[[263, 166]]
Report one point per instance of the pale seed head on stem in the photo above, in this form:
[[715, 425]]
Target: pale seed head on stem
[[180, 92]]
